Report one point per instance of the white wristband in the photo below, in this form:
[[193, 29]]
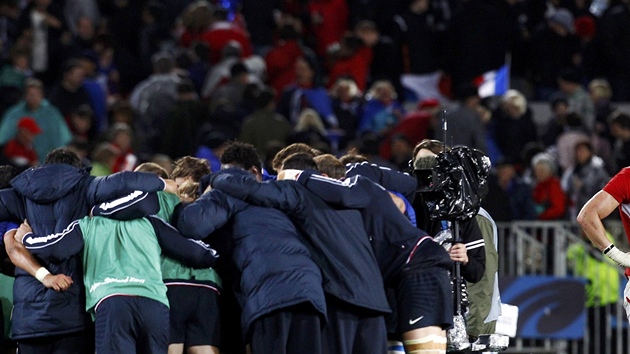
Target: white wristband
[[41, 273], [623, 259]]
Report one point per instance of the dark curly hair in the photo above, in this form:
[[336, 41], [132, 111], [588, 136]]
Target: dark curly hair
[[242, 155]]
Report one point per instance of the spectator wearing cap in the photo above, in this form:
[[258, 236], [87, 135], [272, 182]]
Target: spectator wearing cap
[[570, 84], [614, 36], [48, 118], [554, 46], [19, 150], [265, 125]]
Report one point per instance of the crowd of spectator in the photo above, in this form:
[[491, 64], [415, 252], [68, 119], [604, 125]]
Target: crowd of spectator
[[124, 82]]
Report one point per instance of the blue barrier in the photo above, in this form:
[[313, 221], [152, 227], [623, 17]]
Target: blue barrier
[[549, 307]]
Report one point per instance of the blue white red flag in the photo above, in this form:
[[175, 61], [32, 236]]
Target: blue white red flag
[[494, 82]]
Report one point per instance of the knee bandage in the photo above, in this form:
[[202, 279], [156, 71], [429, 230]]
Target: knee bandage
[[431, 344]]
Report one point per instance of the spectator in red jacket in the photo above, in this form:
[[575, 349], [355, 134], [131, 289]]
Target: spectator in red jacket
[[352, 59], [19, 150], [550, 201], [329, 19], [280, 60], [221, 32]]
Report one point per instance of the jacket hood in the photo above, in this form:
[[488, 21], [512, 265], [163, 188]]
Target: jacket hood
[[47, 183]]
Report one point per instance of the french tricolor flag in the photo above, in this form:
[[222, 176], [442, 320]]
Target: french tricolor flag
[[494, 82]]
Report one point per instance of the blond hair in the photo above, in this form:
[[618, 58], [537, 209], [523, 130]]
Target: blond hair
[[386, 84], [188, 191], [516, 99], [600, 89], [309, 119], [353, 89]]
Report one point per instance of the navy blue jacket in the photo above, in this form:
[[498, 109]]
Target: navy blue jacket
[[276, 268], [50, 197], [391, 180], [396, 242], [336, 238]]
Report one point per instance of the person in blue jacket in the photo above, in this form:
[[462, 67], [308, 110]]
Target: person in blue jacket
[[412, 264], [124, 290], [355, 295], [51, 197], [280, 287], [10, 250]]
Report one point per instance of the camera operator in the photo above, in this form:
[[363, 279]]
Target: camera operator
[[483, 294], [470, 252]]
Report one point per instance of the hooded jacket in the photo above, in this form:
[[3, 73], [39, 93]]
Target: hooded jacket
[[50, 197], [336, 237], [276, 268]]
